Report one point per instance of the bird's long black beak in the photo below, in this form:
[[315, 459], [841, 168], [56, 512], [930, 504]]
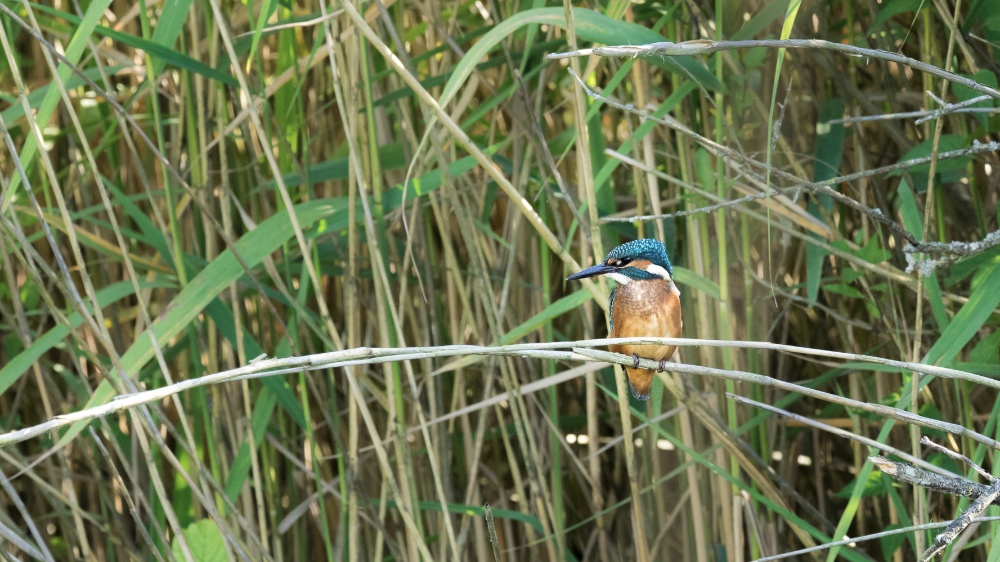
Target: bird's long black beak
[[599, 269]]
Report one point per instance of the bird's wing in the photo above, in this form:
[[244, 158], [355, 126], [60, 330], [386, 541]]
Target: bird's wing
[[611, 307]]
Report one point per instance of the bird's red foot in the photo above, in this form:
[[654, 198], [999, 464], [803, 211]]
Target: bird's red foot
[[663, 366], [635, 359]]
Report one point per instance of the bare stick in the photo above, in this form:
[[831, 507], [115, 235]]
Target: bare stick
[[706, 46], [853, 540], [804, 420], [958, 457], [909, 474], [553, 350]]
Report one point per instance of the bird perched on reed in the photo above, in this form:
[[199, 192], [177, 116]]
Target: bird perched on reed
[[646, 303]]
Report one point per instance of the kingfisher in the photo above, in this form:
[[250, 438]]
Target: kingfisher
[[646, 303]]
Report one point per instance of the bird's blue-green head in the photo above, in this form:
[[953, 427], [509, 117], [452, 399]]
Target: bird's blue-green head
[[639, 260]]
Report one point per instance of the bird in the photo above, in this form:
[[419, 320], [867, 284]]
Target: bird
[[645, 303]]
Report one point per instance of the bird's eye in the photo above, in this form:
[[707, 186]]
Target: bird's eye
[[621, 262]]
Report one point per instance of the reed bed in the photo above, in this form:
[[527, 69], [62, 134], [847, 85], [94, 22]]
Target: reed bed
[[284, 280]]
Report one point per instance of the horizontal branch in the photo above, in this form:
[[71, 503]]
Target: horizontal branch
[[909, 474], [952, 108], [753, 378], [850, 541], [984, 496], [565, 351], [909, 114], [705, 46], [866, 441]]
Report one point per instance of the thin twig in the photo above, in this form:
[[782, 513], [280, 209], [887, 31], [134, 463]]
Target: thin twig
[[292, 25], [962, 106], [909, 474], [753, 378], [909, 114], [958, 457], [962, 521], [706, 46], [579, 351], [854, 540], [804, 420]]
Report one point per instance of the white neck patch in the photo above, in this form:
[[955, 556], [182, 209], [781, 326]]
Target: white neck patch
[[619, 278], [658, 271]]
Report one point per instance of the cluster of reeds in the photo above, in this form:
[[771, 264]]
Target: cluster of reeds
[[321, 248]]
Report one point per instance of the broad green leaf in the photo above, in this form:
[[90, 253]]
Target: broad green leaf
[[875, 486], [703, 167], [985, 369], [947, 143], [828, 153], [550, 312], [685, 276], [963, 93], [892, 8], [946, 462], [873, 252], [991, 26], [267, 8], [891, 543], [970, 265], [168, 26], [829, 145], [769, 12], [590, 26], [844, 290], [204, 540], [815, 258], [982, 304], [987, 350], [254, 246], [170, 56], [907, 203]]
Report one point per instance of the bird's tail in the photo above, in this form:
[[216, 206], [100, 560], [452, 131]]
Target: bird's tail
[[641, 381]]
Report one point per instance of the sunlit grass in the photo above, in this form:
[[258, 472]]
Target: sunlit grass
[[217, 182]]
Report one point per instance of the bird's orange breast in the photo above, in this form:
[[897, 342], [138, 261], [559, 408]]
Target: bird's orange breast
[[647, 308]]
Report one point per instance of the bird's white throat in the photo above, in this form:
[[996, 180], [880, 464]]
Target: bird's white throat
[[619, 278]]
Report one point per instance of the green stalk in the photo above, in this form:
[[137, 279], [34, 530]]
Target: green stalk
[[154, 103], [315, 455], [555, 437]]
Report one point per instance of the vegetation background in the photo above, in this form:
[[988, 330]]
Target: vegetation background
[[191, 184]]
